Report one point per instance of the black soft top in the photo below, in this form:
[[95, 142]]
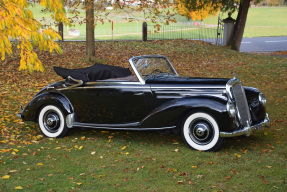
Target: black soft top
[[96, 72]]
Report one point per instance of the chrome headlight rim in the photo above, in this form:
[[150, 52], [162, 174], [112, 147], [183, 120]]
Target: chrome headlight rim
[[231, 109], [262, 99]]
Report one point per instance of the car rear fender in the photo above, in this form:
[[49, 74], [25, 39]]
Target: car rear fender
[[31, 111], [173, 112]]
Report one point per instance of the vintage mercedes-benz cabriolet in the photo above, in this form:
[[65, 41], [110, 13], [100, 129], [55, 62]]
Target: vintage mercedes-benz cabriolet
[[205, 110]]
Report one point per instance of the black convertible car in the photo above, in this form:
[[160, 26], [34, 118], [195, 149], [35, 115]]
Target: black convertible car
[[205, 110]]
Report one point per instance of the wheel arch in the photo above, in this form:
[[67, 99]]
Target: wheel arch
[[33, 108]]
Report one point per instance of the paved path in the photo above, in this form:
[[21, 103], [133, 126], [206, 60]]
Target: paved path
[[264, 44]]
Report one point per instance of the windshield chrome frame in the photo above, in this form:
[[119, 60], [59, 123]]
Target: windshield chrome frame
[[142, 81]]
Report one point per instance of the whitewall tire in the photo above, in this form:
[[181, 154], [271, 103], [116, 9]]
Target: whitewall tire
[[52, 122], [200, 131]]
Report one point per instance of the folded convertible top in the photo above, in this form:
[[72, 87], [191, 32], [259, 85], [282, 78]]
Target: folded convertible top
[[96, 72]]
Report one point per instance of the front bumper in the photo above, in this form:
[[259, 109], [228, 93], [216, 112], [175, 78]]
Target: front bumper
[[19, 115], [248, 129]]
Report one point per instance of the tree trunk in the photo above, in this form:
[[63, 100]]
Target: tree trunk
[[90, 34], [240, 24], [61, 30]]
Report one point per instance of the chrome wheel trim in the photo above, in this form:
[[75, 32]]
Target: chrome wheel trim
[[51, 121], [201, 131], [209, 141]]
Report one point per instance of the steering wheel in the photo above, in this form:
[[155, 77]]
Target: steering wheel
[[156, 70]]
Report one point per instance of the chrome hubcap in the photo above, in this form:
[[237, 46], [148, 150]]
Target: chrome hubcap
[[201, 131], [51, 121]]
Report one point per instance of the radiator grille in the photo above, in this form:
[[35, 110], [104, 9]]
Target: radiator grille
[[241, 103]]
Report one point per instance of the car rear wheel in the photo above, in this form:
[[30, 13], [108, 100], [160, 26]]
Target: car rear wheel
[[52, 122], [200, 131]]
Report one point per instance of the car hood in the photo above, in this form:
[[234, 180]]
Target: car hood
[[187, 80]]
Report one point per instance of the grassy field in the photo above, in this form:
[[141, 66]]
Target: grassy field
[[261, 21], [96, 160]]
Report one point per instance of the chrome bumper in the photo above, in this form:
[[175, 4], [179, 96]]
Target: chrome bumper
[[19, 115], [248, 129]]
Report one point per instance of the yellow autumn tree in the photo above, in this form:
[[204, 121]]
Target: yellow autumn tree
[[203, 10], [17, 23]]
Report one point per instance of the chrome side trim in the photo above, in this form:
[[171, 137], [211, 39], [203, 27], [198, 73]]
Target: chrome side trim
[[113, 82], [186, 95], [247, 130], [112, 127], [193, 87], [113, 87], [70, 119], [134, 124]]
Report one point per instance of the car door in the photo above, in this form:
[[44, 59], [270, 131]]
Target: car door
[[113, 103]]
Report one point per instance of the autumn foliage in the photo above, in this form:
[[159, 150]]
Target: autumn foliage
[[202, 11], [17, 22]]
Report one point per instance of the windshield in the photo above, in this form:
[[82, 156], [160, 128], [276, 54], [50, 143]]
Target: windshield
[[149, 66]]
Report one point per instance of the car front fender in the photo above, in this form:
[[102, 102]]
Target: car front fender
[[172, 112], [30, 113]]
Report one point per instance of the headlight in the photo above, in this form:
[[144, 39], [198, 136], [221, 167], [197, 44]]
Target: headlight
[[262, 99], [231, 109]]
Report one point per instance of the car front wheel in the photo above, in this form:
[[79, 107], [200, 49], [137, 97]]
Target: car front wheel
[[200, 131], [52, 122]]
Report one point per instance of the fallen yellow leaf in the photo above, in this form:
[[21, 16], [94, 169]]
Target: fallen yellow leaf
[[105, 131], [18, 187], [80, 147], [237, 155], [40, 164], [6, 177], [194, 167], [79, 183], [123, 148]]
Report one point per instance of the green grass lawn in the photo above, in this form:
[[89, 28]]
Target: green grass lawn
[[96, 160], [261, 21]]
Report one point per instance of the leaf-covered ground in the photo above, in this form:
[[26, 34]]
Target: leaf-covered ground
[[95, 160]]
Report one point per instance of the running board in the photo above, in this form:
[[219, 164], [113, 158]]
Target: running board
[[126, 126]]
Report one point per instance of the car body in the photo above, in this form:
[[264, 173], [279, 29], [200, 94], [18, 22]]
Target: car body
[[204, 110]]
